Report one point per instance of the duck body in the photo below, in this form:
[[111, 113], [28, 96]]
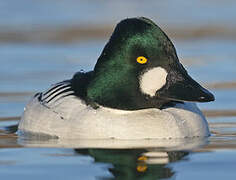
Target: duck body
[[137, 90], [70, 117]]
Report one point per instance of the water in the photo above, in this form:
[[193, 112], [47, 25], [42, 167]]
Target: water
[[40, 45]]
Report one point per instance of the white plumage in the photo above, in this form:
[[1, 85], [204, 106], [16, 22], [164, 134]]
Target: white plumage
[[70, 118], [153, 80]]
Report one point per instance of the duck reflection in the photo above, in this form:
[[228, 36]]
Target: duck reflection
[[135, 164]]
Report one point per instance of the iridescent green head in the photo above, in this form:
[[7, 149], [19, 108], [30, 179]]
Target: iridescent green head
[[139, 69]]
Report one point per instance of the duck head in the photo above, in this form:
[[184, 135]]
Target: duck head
[[139, 68]]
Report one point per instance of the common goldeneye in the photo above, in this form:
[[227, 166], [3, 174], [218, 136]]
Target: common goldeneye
[[137, 90]]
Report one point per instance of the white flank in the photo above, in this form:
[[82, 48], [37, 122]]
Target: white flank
[[71, 119], [153, 80]]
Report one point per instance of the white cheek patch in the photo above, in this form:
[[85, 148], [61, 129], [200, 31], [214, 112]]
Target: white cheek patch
[[152, 80]]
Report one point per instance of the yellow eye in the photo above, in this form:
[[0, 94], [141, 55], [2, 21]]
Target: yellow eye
[[141, 60]]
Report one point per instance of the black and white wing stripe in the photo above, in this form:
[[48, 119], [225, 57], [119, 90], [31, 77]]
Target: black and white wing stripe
[[56, 92]]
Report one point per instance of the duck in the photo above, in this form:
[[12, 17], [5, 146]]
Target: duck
[[138, 89]]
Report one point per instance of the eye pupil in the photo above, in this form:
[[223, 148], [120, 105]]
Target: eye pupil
[[142, 60]]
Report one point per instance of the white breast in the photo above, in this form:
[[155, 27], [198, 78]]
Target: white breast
[[70, 118]]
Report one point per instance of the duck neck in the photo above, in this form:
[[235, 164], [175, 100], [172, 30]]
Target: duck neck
[[120, 91]]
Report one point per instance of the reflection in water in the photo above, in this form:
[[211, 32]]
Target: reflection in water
[[135, 163]]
